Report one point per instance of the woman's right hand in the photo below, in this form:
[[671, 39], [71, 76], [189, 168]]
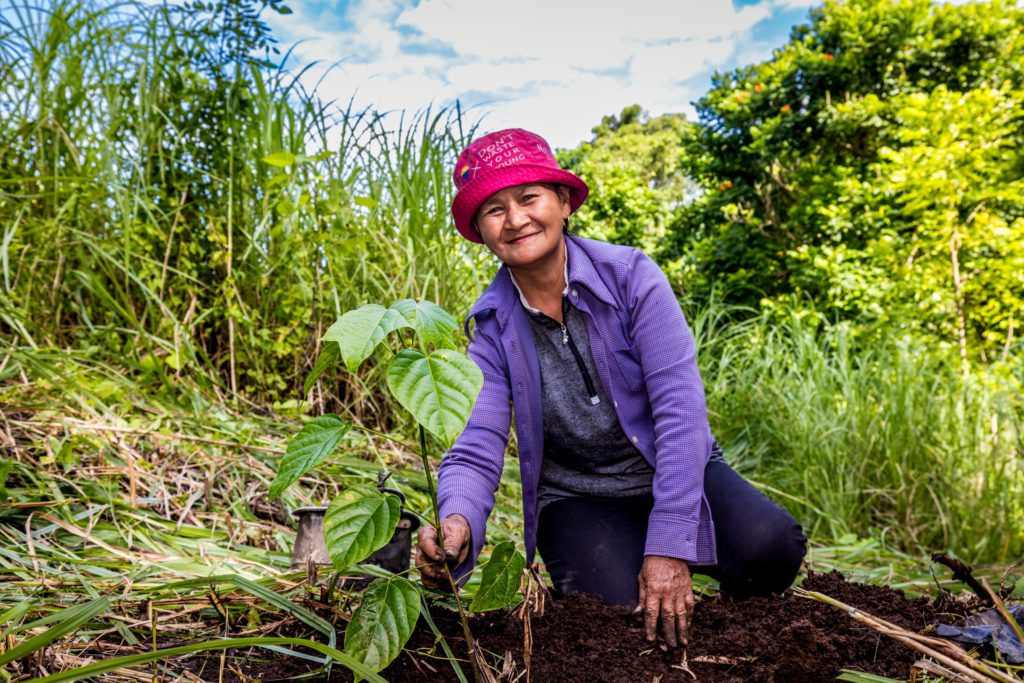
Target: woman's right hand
[[435, 561]]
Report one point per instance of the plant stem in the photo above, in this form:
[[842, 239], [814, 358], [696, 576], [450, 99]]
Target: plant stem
[[479, 672], [441, 639], [430, 482], [943, 651]]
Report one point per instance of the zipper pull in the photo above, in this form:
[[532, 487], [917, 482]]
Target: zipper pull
[[565, 335]]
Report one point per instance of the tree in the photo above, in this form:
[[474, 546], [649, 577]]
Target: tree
[[817, 176], [635, 168]]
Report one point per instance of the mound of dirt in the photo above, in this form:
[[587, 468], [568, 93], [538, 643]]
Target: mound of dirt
[[784, 638], [776, 639]]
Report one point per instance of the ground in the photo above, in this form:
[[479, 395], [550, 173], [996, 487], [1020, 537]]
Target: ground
[[778, 639]]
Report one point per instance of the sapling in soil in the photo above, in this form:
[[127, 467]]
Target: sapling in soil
[[437, 385]]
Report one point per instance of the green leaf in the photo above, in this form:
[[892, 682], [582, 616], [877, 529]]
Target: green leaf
[[280, 159], [433, 324], [358, 522], [67, 620], [439, 638], [328, 355], [383, 622], [107, 665], [439, 390], [307, 449], [499, 585], [367, 202], [359, 331]]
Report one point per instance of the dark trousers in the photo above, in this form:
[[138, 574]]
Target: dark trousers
[[596, 545]]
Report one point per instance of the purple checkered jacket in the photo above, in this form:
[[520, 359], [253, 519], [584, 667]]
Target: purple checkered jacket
[[646, 358]]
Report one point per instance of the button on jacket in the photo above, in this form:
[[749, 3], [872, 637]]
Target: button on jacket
[[645, 356]]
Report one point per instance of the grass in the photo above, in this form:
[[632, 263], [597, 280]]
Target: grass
[[889, 441], [197, 212], [162, 514]]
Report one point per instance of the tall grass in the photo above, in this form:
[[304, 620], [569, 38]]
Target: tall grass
[[892, 440], [198, 212]]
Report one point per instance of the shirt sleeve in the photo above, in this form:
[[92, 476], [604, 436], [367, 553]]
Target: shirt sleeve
[[470, 472], [665, 347]]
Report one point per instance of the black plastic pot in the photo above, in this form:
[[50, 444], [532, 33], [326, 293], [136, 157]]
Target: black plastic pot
[[310, 545]]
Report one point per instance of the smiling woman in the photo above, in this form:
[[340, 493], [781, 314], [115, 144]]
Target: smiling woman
[[624, 489], [523, 227]]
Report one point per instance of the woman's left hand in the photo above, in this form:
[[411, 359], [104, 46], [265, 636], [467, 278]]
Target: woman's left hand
[[666, 591]]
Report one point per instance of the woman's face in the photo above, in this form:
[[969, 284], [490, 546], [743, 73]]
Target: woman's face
[[522, 225]]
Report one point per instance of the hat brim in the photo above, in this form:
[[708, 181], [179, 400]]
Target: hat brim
[[469, 198]]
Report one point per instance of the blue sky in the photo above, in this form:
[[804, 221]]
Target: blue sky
[[552, 66]]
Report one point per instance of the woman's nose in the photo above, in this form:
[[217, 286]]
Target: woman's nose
[[516, 216]]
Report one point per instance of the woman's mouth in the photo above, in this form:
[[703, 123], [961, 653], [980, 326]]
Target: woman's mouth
[[520, 240]]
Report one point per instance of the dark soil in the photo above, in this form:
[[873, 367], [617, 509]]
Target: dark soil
[[778, 639]]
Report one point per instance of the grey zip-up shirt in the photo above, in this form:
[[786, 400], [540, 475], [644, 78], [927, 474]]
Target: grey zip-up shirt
[[586, 453]]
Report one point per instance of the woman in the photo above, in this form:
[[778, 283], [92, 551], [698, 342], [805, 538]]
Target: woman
[[625, 492]]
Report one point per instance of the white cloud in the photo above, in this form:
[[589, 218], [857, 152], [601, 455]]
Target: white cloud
[[556, 67], [794, 4], [574, 32]]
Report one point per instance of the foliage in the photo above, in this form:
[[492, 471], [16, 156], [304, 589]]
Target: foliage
[[383, 622], [311, 446], [502, 575], [358, 522], [890, 441], [435, 383], [175, 199], [635, 167], [438, 386], [872, 166], [439, 389]]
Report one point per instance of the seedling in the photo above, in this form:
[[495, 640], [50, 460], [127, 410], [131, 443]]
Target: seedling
[[438, 386]]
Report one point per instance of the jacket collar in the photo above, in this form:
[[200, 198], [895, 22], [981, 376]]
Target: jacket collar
[[497, 299], [583, 272], [502, 295]]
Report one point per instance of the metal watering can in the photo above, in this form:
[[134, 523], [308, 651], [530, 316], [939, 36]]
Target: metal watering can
[[311, 547]]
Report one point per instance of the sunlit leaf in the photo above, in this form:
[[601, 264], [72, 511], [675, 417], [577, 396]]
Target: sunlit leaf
[[359, 331], [358, 522], [383, 622], [499, 584], [433, 325], [367, 202], [280, 159], [307, 449], [175, 360], [439, 390]]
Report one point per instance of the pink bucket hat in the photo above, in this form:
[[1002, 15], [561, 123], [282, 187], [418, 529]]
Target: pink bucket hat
[[505, 159]]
